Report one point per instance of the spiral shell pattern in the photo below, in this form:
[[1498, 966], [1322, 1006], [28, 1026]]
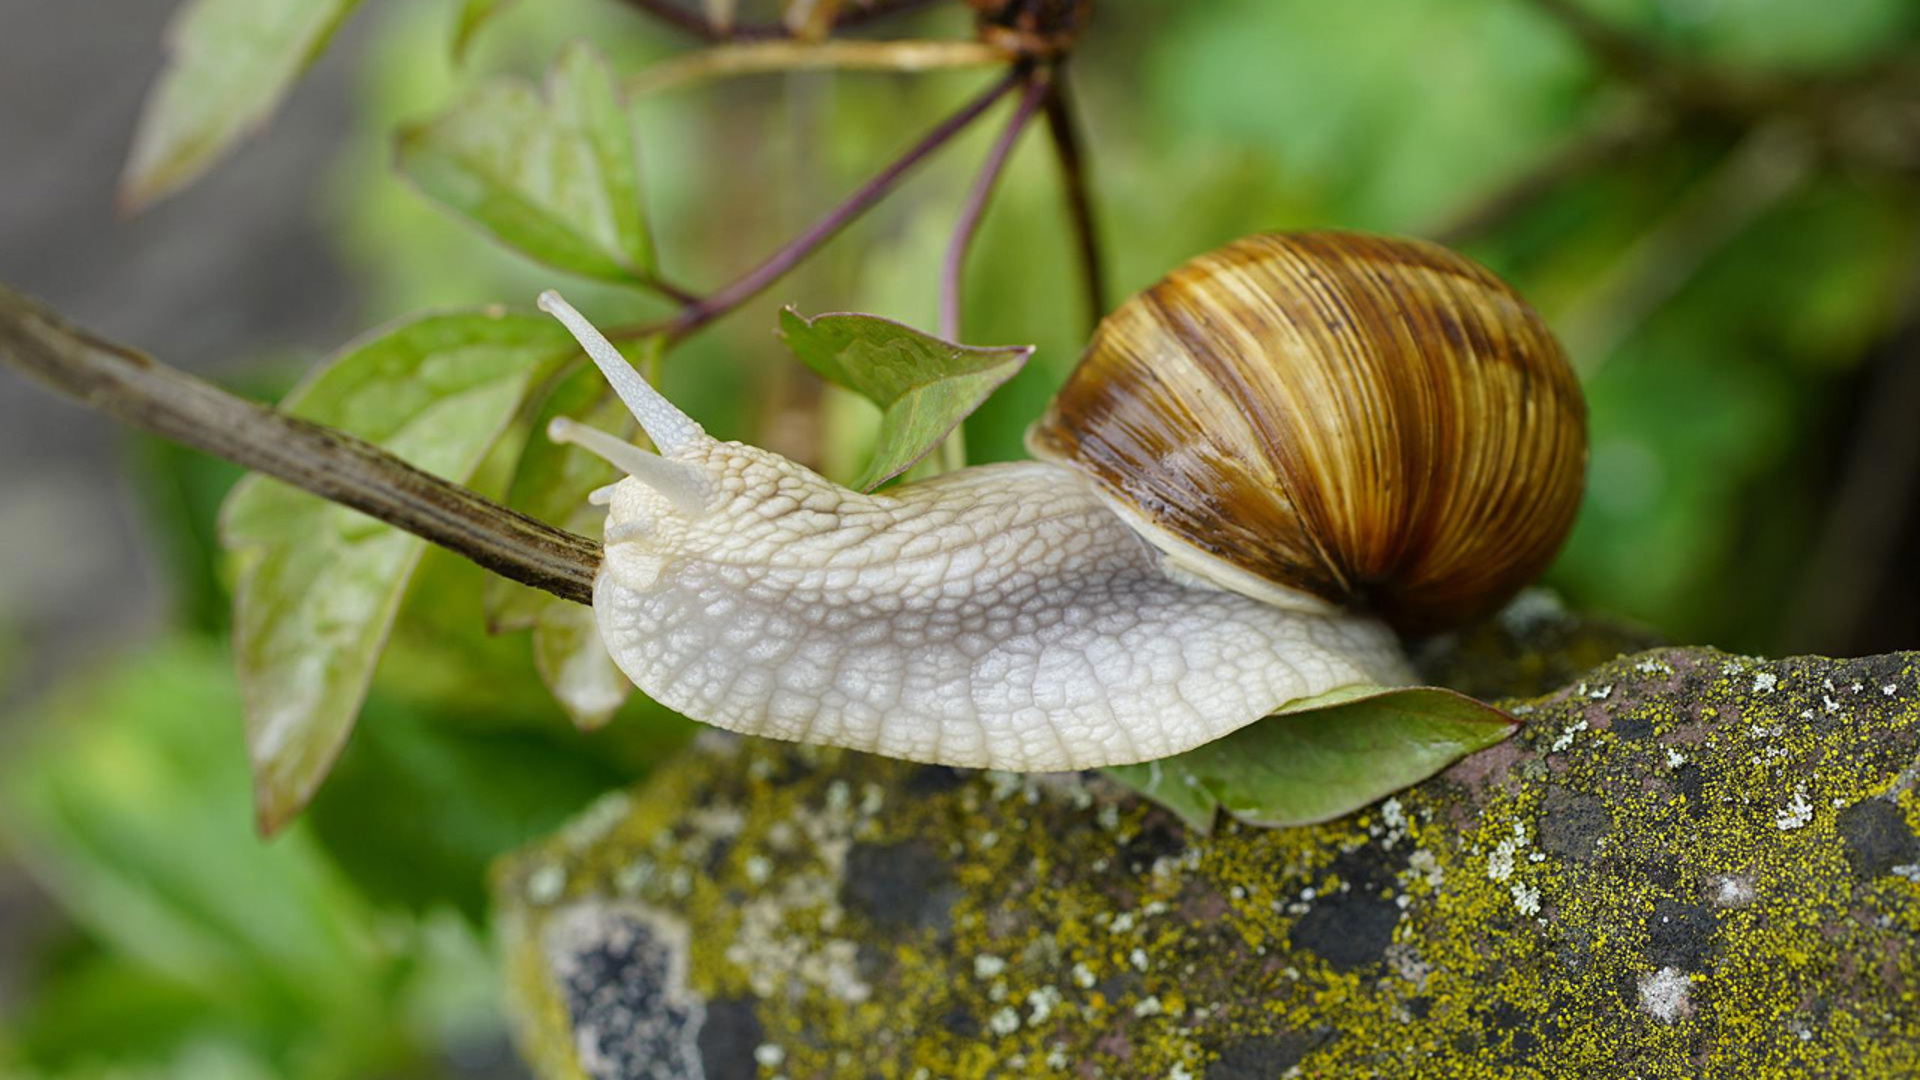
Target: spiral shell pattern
[[1380, 423]]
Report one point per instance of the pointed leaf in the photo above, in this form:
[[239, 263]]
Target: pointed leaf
[[923, 385], [474, 16], [229, 64], [317, 584], [1321, 757], [555, 177]]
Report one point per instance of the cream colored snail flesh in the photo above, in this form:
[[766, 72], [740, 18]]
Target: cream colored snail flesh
[[1263, 465]]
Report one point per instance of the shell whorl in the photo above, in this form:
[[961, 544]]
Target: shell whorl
[[1380, 423]]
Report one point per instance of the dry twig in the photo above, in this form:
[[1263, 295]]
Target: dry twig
[[133, 387]]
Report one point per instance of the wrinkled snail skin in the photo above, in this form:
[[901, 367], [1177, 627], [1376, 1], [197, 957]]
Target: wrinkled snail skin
[[1114, 602], [999, 617]]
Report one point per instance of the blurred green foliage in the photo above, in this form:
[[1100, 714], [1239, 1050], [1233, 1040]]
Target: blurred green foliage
[[199, 947], [1723, 281], [317, 586]]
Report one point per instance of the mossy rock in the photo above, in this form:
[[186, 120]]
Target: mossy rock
[[1687, 864]]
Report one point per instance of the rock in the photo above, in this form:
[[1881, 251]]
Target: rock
[[1687, 864]]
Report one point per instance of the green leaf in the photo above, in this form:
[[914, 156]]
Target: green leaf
[[230, 63], [1364, 137], [923, 385], [204, 951], [317, 584], [474, 15], [128, 808], [100, 1005], [1321, 757], [556, 178]]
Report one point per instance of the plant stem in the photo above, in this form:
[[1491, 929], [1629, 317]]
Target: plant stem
[[953, 448], [671, 291], [781, 56], [1065, 130], [696, 315], [141, 391], [692, 22], [975, 208]]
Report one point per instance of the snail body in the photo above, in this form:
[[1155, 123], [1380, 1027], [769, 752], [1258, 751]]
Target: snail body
[[1069, 612]]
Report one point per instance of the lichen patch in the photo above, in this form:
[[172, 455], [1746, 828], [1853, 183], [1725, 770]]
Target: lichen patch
[[1666, 995], [1597, 910]]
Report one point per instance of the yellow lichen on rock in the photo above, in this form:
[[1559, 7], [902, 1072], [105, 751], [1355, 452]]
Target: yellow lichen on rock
[[1687, 864]]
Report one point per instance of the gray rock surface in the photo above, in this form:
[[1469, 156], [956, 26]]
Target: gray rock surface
[[1687, 864]]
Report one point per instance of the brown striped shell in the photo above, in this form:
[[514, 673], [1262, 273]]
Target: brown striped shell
[[1377, 422]]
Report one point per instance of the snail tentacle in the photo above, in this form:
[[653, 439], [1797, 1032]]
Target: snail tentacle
[[673, 431], [681, 484]]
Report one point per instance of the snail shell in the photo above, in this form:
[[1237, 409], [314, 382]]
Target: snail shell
[[1380, 423]]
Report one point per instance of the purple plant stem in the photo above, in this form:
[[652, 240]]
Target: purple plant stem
[[1073, 177], [975, 207], [748, 285]]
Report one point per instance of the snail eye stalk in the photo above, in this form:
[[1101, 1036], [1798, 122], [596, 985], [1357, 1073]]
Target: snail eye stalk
[[670, 429], [681, 484]]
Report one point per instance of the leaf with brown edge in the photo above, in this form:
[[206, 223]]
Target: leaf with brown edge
[[924, 386], [1321, 757], [317, 585]]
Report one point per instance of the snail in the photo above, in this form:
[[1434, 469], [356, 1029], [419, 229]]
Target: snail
[[1263, 466]]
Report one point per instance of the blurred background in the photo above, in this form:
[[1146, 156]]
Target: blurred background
[[1716, 202]]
